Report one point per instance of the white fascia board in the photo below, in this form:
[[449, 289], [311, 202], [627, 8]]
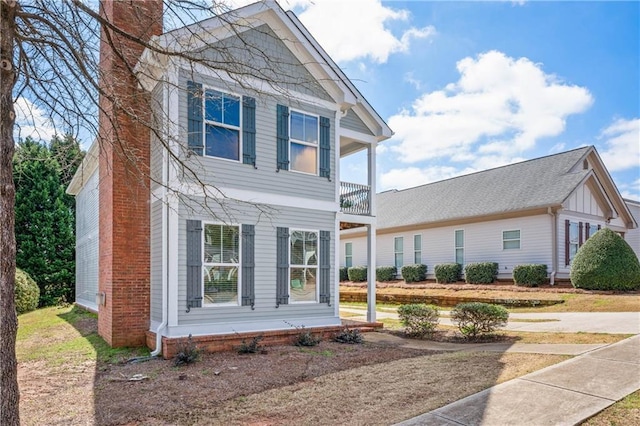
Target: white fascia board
[[88, 165], [357, 136]]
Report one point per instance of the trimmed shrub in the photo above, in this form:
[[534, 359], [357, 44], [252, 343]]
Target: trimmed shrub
[[27, 292], [386, 273], [476, 318], [419, 319], [605, 262], [480, 273], [448, 272], [349, 336], [357, 273], [344, 274], [530, 275], [414, 273]]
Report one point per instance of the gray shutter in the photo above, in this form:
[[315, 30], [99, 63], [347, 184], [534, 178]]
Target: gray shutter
[[249, 131], [325, 267], [194, 117], [567, 227], [325, 148], [282, 139], [194, 264], [248, 265], [282, 260]]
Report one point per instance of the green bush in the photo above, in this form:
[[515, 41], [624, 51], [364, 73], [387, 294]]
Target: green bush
[[605, 262], [349, 336], [414, 273], [419, 319], [530, 275], [357, 273], [27, 292], [480, 273], [448, 272], [476, 318], [386, 273], [344, 275]]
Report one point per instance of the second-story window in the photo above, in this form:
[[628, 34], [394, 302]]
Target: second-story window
[[222, 125], [303, 142]]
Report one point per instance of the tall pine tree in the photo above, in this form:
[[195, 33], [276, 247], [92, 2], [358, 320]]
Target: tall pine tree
[[45, 223]]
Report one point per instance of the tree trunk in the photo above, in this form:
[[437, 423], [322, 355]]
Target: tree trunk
[[9, 394]]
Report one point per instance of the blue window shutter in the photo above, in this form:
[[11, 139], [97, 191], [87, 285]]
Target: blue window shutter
[[282, 260], [325, 147], [194, 117], [194, 264], [283, 137], [249, 131], [325, 267], [248, 265]]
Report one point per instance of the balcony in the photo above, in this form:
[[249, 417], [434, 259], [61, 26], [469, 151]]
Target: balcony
[[355, 198]]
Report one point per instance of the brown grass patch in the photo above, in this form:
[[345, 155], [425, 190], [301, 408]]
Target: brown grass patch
[[623, 412]]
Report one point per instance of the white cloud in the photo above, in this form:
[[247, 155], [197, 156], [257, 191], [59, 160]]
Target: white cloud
[[502, 104], [630, 191], [357, 29], [414, 176], [622, 145], [412, 80], [32, 122]]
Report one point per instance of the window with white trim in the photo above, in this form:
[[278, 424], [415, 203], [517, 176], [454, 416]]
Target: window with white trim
[[303, 266], [303, 142], [221, 264], [417, 249], [398, 252], [222, 121], [348, 255], [574, 239], [459, 246], [511, 240]]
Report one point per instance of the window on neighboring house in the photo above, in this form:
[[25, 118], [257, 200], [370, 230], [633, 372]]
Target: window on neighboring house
[[222, 125], [592, 230], [417, 249], [221, 263], [459, 244], [348, 255], [303, 266], [573, 240], [511, 240], [398, 251], [303, 148]]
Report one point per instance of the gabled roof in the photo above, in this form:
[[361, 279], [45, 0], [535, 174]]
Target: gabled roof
[[534, 184]]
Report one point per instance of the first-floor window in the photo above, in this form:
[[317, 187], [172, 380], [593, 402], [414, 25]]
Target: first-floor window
[[221, 264], [348, 255], [303, 266], [511, 240], [459, 244], [417, 249], [398, 250], [574, 239]]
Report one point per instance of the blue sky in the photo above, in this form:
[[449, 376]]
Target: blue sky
[[468, 86]]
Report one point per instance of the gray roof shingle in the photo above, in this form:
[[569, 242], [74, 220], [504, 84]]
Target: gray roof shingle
[[534, 183]]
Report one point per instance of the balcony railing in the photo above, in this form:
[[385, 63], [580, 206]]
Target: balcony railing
[[354, 198]]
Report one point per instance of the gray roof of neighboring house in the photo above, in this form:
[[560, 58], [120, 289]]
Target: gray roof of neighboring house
[[530, 184]]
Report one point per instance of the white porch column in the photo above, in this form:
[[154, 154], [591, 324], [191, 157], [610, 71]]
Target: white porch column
[[371, 235]]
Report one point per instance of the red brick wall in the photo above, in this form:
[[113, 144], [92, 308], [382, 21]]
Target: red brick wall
[[124, 139]]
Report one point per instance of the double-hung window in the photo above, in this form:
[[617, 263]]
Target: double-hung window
[[222, 125], [398, 252], [511, 240], [348, 255], [221, 264], [459, 246], [303, 142], [574, 239], [417, 249], [303, 266]]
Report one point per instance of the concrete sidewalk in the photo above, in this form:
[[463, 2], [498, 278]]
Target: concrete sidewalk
[[563, 394], [560, 322]]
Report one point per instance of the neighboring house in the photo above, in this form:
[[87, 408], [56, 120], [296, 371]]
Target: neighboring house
[[237, 228], [633, 236], [537, 211]]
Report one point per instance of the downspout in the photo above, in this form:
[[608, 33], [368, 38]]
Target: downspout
[[554, 245], [165, 232]]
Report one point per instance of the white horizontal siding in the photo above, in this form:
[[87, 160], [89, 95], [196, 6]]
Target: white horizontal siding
[[633, 235], [87, 256], [156, 260]]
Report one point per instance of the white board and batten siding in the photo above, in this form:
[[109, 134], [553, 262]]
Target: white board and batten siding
[[482, 243], [87, 239], [265, 316]]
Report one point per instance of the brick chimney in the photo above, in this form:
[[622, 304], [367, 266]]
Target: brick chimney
[[124, 251]]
